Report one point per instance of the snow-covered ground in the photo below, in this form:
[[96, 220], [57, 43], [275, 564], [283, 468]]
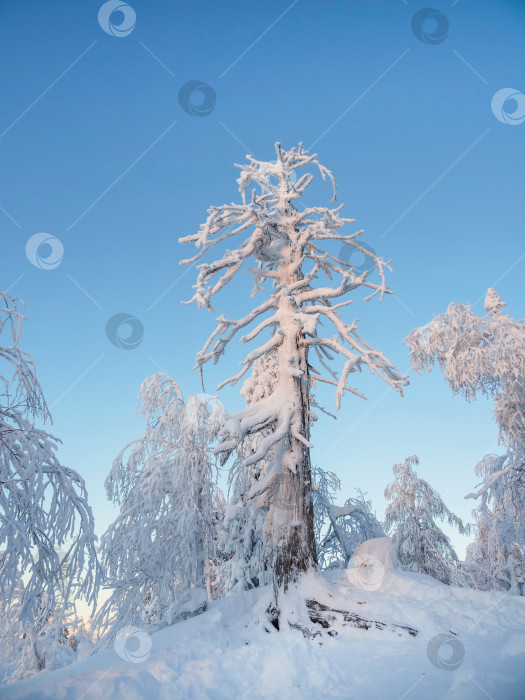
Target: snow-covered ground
[[232, 651]]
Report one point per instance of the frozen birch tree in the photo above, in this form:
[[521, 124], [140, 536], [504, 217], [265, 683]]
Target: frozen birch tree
[[339, 530], [47, 540], [163, 542], [410, 518], [486, 355], [292, 249]]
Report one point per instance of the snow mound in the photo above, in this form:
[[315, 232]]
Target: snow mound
[[465, 645], [380, 548]]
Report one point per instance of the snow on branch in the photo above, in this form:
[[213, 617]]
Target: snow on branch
[[291, 250]]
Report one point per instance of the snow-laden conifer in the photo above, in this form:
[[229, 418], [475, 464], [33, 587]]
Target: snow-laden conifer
[[296, 251], [410, 518], [244, 540]]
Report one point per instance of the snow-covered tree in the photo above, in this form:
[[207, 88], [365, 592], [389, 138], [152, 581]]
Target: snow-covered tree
[[479, 355], [291, 250], [326, 487], [486, 355], [47, 540], [57, 624], [244, 539], [163, 542], [339, 530], [421, 546], [496, 557]]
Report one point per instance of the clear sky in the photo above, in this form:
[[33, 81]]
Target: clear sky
[[97, 151]]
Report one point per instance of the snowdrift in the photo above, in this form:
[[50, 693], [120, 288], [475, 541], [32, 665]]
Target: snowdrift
[[464, 644]]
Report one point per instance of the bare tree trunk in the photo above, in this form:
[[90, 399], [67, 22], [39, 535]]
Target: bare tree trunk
[[293, 518], [296, 543]]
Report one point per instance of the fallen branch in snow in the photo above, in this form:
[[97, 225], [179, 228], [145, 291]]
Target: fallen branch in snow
[[325, 616], [330, 618]]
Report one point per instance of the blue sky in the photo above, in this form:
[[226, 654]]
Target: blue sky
[[96, 150]]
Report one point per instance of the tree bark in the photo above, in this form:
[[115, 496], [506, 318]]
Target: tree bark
[[293, 521]]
